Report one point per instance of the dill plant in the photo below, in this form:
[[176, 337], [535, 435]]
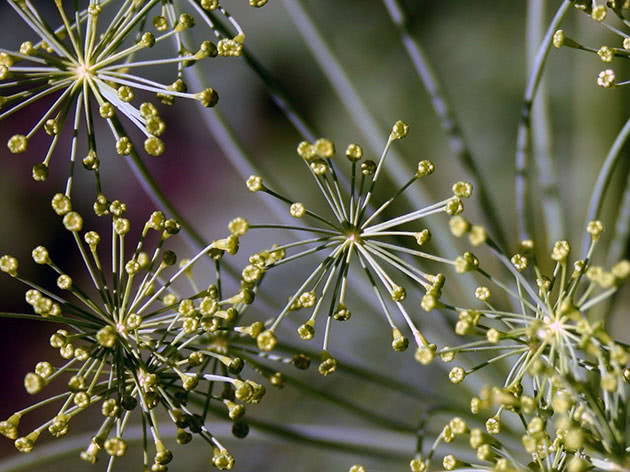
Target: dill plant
[[526, 374]]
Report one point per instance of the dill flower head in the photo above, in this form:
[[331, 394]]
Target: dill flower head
[[88, 69], [618, 50], [551, 320], [566, 377], [138, 344], [355, 233]]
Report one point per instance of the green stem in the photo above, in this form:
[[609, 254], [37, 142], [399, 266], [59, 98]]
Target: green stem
[[152, 189], [366, 445], [542, 132], [619, 244], [278, 96], [362, 373], [524, 126], [361, 412], [444, 112], [603, 179], [50, 319]]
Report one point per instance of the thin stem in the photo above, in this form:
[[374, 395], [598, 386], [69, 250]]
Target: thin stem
[[603, 179], [524, 126], [542, 131], [442, 108]]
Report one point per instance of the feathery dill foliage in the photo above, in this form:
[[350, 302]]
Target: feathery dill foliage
[[140, 344], [619, 22], [567, 380], [87, 65], [351, 234]]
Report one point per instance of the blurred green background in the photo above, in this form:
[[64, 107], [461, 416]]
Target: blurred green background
[[478, 48]]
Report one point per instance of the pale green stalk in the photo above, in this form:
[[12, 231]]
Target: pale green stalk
[[542, 132], [603, 180], [523, 209], [448, 121]]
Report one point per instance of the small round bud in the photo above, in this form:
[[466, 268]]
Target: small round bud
[[123, 146], [306, 150], [324, 148], [238, 226], [456, 375], [477, 235], [342, 313], [17, 144], [297, 210], [599, 13], [605, 54], [462, 189], [466, 263], [106, 336], [254, 183], [560, 251], [606, 78], [399, 130], [423, 237], [154, 146], [482, 293], [595, 228], [493, 425], [328, 364], [40, 255], [73, 222], [354, 152], [519, 261], [266, 340], [106, 110], [454, 206], [33, 383], [115, 447], [425, 168], [357, 468], [558, 38], [425, 354], [125, 93], [368, 167], [208, 97], [61, 204], [40, 172], [458, 226]]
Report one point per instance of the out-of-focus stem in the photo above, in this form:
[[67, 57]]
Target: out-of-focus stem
[[523, 209], [542, 132], [603, 179], [444, 112]]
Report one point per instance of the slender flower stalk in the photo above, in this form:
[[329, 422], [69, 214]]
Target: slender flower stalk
[[352, 234]]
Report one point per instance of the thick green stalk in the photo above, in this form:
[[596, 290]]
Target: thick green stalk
[[542, 131], [603, 179], [523, 210], [444, 112]]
